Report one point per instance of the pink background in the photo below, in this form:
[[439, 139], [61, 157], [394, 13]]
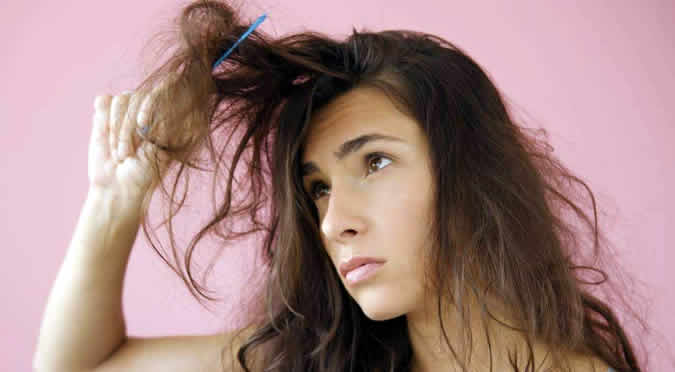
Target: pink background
[[598, 75]]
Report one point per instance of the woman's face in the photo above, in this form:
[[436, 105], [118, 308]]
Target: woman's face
[[374, 200]]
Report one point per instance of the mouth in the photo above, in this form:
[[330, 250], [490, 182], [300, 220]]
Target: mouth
[[360, 268], [362, 273]]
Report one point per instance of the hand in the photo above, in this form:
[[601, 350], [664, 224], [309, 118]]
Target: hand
[[120, 161]]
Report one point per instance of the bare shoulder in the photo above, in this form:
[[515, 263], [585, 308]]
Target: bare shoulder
[[231, 342], [202, 353]]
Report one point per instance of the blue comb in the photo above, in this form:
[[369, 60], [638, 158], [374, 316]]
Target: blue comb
[[242, 37]]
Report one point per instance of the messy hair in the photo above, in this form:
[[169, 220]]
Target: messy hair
[[510, 220]]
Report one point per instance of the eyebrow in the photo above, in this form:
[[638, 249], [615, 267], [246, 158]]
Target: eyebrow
[[350, 147]]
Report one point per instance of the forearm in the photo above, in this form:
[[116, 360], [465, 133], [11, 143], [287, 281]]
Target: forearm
[[83, 321]]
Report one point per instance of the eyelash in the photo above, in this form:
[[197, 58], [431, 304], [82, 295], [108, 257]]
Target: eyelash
[[367, 159]]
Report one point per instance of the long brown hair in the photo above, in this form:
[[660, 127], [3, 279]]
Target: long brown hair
[[510, 220]]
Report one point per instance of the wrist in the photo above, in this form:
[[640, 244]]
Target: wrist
[[115, 206]]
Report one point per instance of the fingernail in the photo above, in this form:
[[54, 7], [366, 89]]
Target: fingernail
[[99, 102]]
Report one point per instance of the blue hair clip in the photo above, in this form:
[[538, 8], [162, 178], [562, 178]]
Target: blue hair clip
[[250, 29]]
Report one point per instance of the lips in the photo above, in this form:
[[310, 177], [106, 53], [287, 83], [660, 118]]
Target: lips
[[357, 261]]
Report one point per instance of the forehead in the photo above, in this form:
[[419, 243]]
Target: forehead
[[359, 111]]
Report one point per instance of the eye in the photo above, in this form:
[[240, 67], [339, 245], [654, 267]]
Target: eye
[[375, 156], [370, 160]]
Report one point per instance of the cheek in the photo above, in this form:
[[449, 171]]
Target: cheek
[[401, 220], [402, 205]]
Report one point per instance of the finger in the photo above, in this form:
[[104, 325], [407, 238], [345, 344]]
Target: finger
[[99, 135], [125, 146], [136, 137], [118, 110], [142, 116]]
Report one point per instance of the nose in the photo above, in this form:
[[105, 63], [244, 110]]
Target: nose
[[343, 220]]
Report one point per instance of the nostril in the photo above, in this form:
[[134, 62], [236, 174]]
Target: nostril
[[350, 232]]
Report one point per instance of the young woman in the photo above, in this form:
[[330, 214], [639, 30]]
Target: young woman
[[409, 222]]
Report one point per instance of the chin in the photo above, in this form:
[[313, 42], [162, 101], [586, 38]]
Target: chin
[[378, 310], [380, 315]]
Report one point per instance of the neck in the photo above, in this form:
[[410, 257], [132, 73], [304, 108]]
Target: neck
[[431, 353]]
